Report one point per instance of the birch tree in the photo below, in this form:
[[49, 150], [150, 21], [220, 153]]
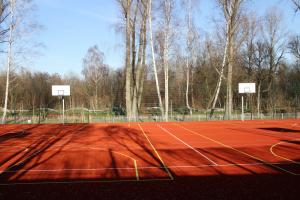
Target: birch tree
[[9, 57], [191, 40], [153, 59], [168, 6], [231, 10]]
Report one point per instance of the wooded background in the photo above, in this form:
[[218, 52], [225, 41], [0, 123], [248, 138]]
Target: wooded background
[[170, 66]]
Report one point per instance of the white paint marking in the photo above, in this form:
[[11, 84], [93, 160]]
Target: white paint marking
[[230, 147], [150, 167], [279, 143], [165, 130]]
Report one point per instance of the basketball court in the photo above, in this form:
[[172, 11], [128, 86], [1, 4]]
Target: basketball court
[[45, 154]]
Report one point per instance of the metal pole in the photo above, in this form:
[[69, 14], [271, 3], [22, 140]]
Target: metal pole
[[243, 117], [171, 110], [63, 102]]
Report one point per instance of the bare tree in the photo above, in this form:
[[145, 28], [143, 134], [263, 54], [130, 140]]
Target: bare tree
[[296, 5], [139, 59], [276, 46], [164, 39], [95, 72], [251, 27], [153, 58], [168, 6], [127, 11], [191, 40], [294, 46], [232, 14], [9, 57], [136, 14], [260, 55], [126, 6], [4, 14]]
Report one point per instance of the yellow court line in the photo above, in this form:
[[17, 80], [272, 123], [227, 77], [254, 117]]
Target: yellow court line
[[136, 171], [272, 147], [134, 160], [87, 147], [162, 162], [222, 144]]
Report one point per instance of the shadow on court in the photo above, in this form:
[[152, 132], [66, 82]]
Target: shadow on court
[[217, 185], [281, 130], [39, 140], [136, 144], [297, 142], [206, 187]]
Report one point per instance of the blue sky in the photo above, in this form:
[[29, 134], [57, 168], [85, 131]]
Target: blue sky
[[72, 26]]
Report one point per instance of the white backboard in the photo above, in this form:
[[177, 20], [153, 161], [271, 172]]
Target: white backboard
[[247, 88], [60, 90]]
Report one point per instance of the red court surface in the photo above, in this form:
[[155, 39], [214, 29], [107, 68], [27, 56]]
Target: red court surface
[[172, 160]]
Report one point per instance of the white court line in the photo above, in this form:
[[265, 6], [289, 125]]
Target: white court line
[[87, 147], [165, 130], [151, 167], [157, 154], [79, 146], [237, 150], [277, 144]]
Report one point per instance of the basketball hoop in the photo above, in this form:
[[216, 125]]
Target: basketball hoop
[[61, 91], [246, 88]]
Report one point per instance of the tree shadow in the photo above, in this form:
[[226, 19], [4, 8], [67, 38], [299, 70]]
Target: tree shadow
[[128, 137], [16, 133], [13, 135], [183, 187], [34, 155], [297, 142], [280, 130]]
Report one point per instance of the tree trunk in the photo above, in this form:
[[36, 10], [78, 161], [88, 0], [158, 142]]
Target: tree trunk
[[258, 99], [135, 68], [127, 62], [229, 84], [167, 5], [187, 86], [189, 53], [9, 60], [166, 67], [153, 59], [139, 78], [143, 63], [96, 99], [167, 93], [218, 87]]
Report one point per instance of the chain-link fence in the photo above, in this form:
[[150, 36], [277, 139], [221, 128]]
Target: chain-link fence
[[49, 116]]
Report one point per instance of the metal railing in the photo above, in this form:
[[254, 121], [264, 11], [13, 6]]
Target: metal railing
[[89, 118]]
